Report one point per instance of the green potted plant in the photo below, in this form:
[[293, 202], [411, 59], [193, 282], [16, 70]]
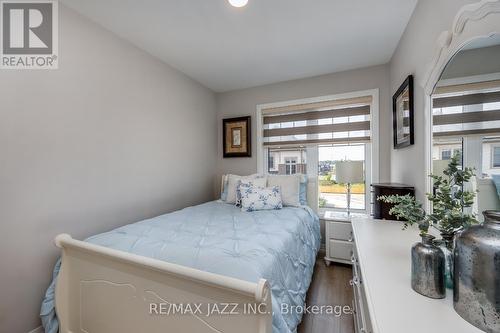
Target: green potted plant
[[428, 262], [451, 201], [406, 207]]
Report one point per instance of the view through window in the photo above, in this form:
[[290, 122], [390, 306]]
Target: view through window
[[331, 193], [286, 161]]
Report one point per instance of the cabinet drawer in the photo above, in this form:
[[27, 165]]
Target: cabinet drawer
[[340, 231], [340, 249]]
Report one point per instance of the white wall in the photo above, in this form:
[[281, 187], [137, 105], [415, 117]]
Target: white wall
[[244, 102], [112, 137], [413, 55]]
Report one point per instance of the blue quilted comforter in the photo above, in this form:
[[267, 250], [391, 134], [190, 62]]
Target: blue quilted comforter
[[277, 245]]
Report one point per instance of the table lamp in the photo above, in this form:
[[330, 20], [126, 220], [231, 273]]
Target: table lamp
[[349, 172]]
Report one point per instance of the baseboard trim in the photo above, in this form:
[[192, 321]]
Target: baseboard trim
[[39, 329]]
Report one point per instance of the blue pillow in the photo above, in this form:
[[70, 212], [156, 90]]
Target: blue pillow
[[223, 195], [303, 191]]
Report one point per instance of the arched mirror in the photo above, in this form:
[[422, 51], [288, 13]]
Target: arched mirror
[[466, 119]]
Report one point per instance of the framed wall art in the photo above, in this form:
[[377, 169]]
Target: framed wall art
[[402, 115], [236, 137]]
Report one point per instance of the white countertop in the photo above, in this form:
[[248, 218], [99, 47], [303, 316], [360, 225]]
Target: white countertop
[[384, 256]]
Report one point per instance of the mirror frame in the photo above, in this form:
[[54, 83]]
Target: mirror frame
[[473, 21]]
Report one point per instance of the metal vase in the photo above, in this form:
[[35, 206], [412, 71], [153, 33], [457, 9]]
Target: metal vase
[[427, 268], [476, 293]]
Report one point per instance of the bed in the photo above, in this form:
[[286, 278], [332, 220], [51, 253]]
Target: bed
[[255, 264]]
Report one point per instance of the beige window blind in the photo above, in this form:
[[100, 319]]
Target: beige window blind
[[335, 121], [465, 110]]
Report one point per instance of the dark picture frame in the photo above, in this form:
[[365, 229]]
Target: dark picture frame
[[403, 115], [236, 137]]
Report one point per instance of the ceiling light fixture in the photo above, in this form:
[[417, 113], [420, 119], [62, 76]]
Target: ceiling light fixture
[[238, 3]]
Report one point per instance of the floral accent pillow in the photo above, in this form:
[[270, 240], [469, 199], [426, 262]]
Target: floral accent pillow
[[256, 182], [260, 198], [232, 186]]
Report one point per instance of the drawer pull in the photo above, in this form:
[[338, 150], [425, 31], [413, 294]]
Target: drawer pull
[[351, 238], [353, 258], [354, 281]]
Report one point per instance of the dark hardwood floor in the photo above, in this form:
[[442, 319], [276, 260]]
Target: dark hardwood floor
[[330, 286]]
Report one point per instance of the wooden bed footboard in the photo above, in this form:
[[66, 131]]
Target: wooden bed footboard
[[101, 290]]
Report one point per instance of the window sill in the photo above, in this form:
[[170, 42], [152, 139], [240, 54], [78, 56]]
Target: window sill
[[332, 214]]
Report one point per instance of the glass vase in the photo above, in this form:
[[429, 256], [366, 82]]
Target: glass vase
[[447, 244], [427, 268]]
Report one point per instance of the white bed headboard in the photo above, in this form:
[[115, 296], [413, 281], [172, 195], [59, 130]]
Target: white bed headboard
[[312, 191]]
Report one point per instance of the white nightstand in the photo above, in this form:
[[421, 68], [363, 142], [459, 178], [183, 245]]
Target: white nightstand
[[339, 238]]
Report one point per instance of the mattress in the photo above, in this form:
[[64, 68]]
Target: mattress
[[277, 245]]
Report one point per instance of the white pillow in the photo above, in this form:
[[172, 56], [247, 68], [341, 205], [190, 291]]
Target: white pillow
[[260, 198], [290, 188], [232, 185]]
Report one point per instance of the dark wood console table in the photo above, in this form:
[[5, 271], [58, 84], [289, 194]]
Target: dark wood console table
[[381, 209]]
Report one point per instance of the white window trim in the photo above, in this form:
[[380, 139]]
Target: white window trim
[[372, 170]]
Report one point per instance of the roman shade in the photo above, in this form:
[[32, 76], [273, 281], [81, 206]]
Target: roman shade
[[467, 109], [331, 121]]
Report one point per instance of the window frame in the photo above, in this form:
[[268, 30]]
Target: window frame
[[371, 153], [493, 147]]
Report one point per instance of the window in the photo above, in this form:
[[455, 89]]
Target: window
[[446, 154], [270, 162], [466, 121], [290, 166], [310, 137], [490, 159], [332, 194], [466, 112], [443, 150], [495, 160], [318, 123], [286, 161]]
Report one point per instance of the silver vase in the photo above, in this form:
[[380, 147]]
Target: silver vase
[[427, 268], [476, 293]]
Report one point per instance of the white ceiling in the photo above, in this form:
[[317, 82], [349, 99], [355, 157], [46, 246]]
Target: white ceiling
[[268, 41]]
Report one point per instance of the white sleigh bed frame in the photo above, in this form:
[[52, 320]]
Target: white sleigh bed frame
[[102, 290]]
